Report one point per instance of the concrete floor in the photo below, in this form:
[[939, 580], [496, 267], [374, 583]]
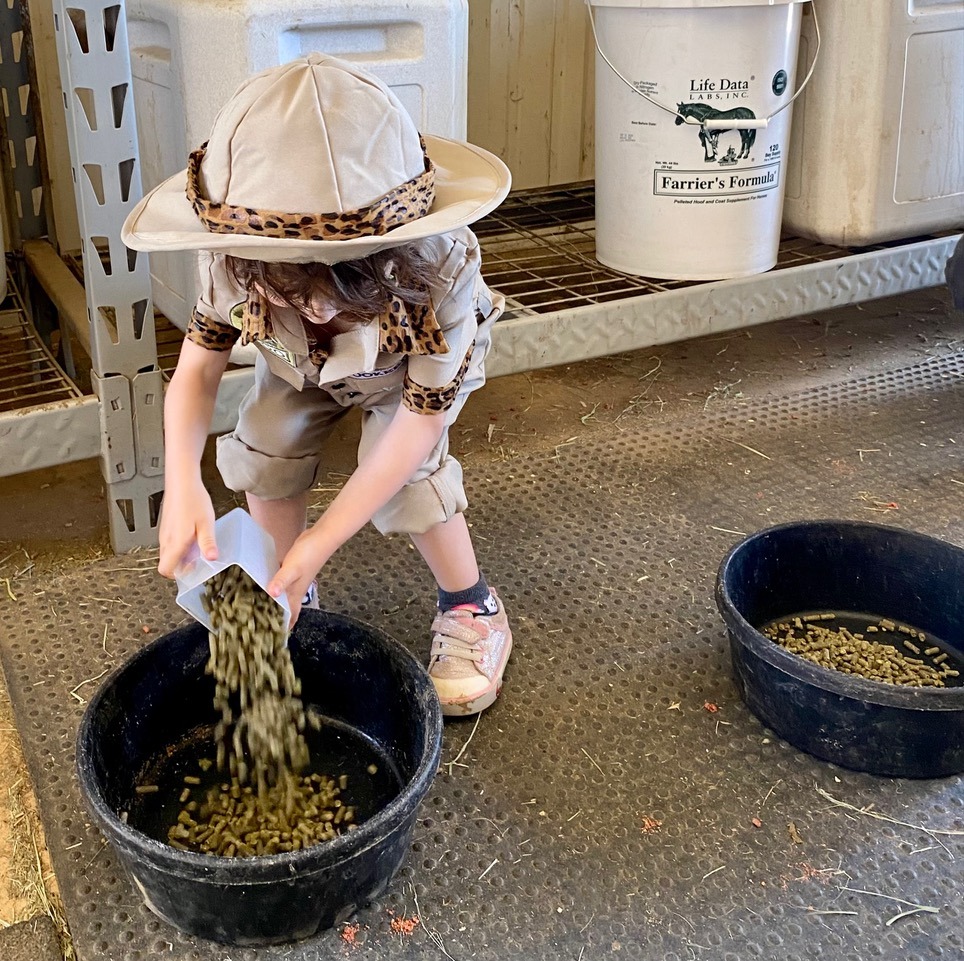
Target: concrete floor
[[54, 521]]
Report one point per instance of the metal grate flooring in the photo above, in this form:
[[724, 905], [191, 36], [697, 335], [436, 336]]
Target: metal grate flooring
[[539, 251], [601, 809], [29, 374]]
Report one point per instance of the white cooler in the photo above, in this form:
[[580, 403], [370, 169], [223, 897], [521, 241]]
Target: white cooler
[[877, 146]]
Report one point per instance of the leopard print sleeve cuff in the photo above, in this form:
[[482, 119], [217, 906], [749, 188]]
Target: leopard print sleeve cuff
[[211, 334], [434, 400]]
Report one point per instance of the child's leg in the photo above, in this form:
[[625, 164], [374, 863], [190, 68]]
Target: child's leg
[[284, 519], [471, 638], [274, 452], [448, 551]]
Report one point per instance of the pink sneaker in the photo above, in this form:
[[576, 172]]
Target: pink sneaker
[[469, 655]]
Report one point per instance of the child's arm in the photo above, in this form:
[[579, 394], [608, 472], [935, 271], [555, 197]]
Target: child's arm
[[390, 463], [187, 515]]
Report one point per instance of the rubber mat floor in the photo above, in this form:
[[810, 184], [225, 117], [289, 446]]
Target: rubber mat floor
[[618, 801]]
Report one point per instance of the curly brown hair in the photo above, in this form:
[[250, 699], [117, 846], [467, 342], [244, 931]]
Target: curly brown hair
[[357, 288]]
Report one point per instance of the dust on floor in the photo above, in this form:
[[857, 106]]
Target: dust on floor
[[55, 520]]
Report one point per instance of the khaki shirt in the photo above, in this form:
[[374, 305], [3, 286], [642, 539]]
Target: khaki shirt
[[432, 360]]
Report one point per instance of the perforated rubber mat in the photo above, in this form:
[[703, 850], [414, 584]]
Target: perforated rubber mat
[[618, 802]]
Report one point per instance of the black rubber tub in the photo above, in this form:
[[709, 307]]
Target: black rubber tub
[[865, 569], [154, 715]]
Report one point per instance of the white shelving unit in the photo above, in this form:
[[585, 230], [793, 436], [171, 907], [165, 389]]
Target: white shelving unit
[[538, 250]]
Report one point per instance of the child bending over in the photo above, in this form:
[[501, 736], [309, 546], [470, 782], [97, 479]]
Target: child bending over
[[334, 237]]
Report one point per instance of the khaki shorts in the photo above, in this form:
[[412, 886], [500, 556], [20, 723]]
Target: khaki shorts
[[276, 449]]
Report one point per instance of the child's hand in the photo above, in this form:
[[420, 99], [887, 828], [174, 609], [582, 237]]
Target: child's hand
[[187, 516], [298, 570]]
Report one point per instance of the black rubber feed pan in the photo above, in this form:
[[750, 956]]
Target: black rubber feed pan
[[866, 569], [149, 718]]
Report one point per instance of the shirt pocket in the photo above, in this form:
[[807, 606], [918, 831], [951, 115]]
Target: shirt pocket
[[371, 387], [281, 367]]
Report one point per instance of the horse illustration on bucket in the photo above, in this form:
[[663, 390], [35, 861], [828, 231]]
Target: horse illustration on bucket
[[710, 136]]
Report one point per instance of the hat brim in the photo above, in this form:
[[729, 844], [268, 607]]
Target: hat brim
[[469, 183]]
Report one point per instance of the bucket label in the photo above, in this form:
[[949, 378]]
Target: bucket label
[[723, 183], [738, 168]]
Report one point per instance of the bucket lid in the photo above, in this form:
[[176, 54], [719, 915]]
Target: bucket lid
[[690, 4]]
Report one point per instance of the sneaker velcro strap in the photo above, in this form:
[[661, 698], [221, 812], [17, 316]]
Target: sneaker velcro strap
[[443, 646], [459, 627]]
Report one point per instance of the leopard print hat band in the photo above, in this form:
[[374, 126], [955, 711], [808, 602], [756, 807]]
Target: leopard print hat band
[[400, 205]]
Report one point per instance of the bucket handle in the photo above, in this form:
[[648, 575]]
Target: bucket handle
[[716, 124]]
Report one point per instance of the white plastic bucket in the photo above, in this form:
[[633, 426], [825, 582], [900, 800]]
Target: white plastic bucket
[[692, 188]]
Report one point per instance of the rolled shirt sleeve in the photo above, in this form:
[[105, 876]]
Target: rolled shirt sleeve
[[210, 325], [433, 381]]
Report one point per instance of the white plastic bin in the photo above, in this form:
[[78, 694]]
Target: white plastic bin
[[189, 56], [877, 147]]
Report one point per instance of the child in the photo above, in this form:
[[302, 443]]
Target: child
[[334, 238]]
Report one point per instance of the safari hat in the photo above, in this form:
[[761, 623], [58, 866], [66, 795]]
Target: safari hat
[[316, 160]]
